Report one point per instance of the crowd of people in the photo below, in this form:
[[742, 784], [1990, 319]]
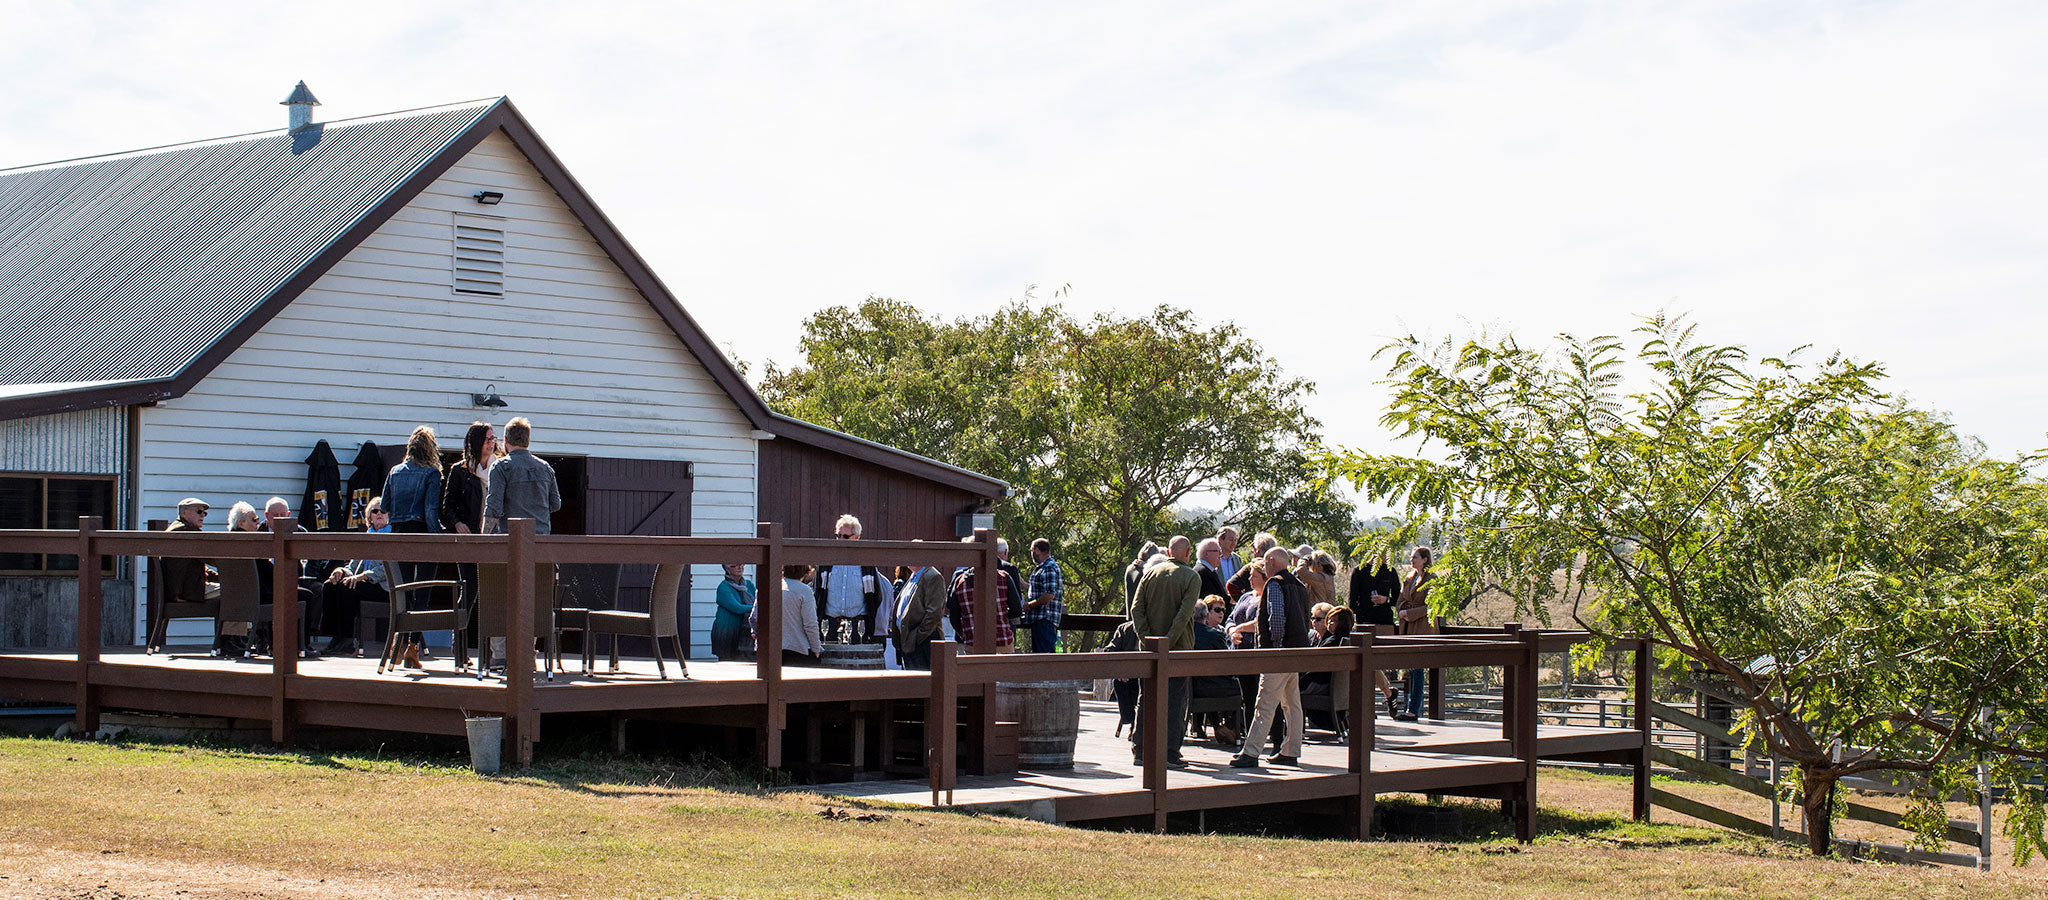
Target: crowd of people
[[1206, 596], [900, 610], [495, 480]]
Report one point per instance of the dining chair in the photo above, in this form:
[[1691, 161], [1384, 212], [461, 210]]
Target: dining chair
[[659, 621]]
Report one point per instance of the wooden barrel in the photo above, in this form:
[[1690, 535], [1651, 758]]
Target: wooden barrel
[[1048, 717], [852, 656]]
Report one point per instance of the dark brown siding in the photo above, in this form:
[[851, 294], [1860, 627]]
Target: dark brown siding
[[807, 489], [638, 496]]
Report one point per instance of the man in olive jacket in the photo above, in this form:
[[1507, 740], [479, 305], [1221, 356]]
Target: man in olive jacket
[[1164, 605]]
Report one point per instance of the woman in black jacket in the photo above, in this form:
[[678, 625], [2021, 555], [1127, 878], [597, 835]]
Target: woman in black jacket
[[462, 497]]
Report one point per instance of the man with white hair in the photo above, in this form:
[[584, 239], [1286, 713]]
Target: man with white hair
[[1011, 574], [1282, 622], [1208, 564], [849, 596], [1226, 541]]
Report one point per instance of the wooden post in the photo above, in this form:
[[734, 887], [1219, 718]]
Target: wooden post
[[1152, 712], [941, 720], [152, 592], [987, 579], [1510, 693], [90, 603], [1363, 712], [768, 646], [1983, 798], [1436, 682], [987, 587], [284, 624], [522, 730], [1525, 736], [1641, 763]]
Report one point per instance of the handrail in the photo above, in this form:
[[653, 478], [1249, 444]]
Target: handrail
[[519, 550], [1514, 649]]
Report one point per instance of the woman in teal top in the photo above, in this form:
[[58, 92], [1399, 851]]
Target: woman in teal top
[[735, 602]]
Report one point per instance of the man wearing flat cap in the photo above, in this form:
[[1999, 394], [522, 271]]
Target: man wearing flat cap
[[185, 579]]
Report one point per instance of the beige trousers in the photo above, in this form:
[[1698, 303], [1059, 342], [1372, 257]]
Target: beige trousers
[[1276, 690]]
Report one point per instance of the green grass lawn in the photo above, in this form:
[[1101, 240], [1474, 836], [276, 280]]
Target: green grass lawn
[[594, 827]]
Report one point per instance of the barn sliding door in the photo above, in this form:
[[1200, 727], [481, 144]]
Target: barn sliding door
[[644, 497]]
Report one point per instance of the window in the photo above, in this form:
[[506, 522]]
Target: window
[[479, 264], [53, 501]]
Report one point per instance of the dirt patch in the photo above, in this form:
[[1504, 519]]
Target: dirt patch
[[45, 872]]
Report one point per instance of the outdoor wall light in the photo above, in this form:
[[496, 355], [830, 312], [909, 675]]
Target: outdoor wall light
[[489, 198], [489, 399]]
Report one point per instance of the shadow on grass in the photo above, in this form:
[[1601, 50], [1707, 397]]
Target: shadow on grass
[[571, 765]]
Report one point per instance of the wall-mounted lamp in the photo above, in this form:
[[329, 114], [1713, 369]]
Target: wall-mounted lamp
[[489, 398], [489, 198]]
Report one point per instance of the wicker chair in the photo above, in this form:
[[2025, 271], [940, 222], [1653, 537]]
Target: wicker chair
[[491, 588], [240, 600], [406, 621], [659, 621]]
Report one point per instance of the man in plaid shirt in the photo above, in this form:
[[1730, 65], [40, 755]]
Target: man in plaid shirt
[[962, 604], [1046, 600]]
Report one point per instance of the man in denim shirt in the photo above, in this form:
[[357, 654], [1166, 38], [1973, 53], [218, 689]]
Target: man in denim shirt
[[522, 485]]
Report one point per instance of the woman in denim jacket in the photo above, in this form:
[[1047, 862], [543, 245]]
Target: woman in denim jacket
[[412, 498]]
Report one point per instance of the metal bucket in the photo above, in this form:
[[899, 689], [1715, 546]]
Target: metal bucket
[[852, 656], [1048, 717], [486, 742]]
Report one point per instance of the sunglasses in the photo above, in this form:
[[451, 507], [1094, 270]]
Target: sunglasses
[[845, 536]]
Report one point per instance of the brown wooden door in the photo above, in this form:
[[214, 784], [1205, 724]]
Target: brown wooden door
[[644, 497]]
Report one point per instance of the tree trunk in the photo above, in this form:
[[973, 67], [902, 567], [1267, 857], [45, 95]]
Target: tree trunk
[[1816, 805]]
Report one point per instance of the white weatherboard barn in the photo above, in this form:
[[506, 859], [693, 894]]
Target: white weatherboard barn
[[190, 320]]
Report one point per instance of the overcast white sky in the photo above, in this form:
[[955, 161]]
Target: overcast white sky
[[1866, 177]]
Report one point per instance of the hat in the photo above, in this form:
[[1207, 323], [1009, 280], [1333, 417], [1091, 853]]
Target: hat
[[194, 501]]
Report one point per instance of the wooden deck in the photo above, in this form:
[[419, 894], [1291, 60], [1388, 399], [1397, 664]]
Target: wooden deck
[[1411, 757], [912, 717]]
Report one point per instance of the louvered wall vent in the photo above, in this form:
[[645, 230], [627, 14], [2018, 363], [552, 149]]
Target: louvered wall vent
[[479, 255]]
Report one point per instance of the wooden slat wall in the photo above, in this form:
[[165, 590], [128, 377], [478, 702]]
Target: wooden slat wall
[[382, 343], [807, 489]]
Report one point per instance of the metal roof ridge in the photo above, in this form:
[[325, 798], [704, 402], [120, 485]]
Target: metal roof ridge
[[483, 103]]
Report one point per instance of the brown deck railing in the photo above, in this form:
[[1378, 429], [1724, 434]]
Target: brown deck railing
[[519, 550], [1514, 649]]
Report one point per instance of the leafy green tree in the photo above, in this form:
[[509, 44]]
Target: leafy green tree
[[1862, 578], [1102, 425]]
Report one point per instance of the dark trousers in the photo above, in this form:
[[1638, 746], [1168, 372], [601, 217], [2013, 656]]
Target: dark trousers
[[311, 601], [1045, 636], [798, 658], [1177, 692], [919, 656], [341, 603]]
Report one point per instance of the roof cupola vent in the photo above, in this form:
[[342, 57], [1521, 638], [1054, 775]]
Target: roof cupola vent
[[301, 102]]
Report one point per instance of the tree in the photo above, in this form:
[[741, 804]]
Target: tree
[[1862, 578], [1101, 425]]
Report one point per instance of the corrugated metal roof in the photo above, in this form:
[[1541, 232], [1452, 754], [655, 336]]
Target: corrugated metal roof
[[125, 268]]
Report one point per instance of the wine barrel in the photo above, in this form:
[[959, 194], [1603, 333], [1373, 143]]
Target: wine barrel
[[851, 656], [1048, 717]]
